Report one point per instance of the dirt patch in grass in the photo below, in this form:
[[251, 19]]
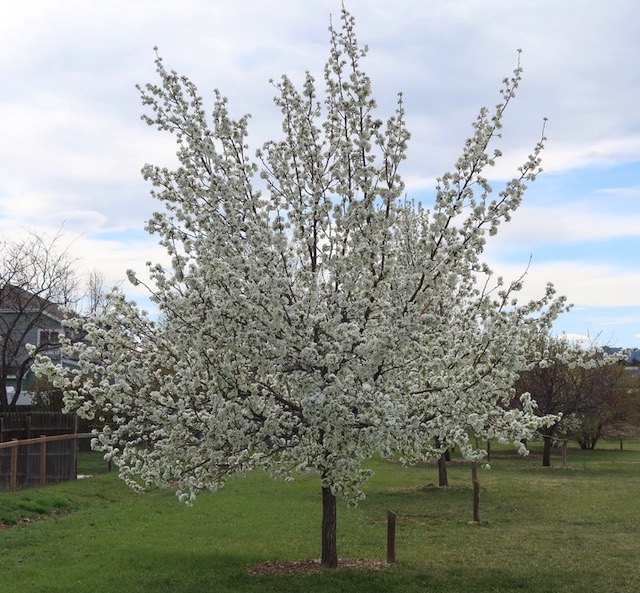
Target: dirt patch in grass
[[34, 519], [312, 566]]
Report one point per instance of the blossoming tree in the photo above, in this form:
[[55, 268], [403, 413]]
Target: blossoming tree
[[311, 316]]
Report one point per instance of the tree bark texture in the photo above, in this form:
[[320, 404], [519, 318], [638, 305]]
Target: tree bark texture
[[329, 524], [443, 479], [546, 452], [476, 492]]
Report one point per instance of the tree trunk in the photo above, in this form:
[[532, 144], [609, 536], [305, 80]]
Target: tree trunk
[[4, 400], [476, 492], [546, 452], [443, 479], [329, 523]]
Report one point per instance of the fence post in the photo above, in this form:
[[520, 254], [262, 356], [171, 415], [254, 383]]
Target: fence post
[[13, 472], [43, 462], [391, 537]]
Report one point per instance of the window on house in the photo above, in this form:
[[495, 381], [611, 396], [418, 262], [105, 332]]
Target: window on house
[[47, 336]]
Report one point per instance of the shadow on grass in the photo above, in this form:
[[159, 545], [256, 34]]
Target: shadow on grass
[[198, 571]]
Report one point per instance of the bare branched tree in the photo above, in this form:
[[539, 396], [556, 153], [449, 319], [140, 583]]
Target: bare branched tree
[[95, 297], [37, 281]]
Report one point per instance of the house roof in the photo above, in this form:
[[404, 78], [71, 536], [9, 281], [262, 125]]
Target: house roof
[[17, 299]]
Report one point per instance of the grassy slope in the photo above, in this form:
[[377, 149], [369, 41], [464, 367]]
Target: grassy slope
[[544, 530]]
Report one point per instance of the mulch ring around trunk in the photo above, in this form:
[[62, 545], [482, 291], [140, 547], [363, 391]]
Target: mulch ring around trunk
[[312, 566]]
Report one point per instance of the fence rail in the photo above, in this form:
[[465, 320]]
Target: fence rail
[[40, 460]]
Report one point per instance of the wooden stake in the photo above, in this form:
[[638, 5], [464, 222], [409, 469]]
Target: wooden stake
[[43, 462], [13, 476]]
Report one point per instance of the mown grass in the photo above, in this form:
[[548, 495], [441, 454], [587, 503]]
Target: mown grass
[[543, 530], [32, 504]]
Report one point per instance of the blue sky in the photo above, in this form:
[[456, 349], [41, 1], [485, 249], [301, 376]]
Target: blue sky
[[73, 144], [587, 243]]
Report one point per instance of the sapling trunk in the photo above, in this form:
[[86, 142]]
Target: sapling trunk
[[443, 478], [476, 492], [329, 524], [546, 452]]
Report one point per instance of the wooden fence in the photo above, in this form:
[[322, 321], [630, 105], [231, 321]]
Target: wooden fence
[[37, 448], [25, 424], [39, 461]]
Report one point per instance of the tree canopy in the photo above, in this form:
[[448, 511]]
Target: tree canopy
[[312, 315], [581, 384]]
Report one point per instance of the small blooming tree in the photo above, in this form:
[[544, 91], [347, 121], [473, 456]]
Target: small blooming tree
[[311, 316]]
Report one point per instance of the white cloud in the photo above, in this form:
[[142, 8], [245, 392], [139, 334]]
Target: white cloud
[[578, 338], [583, 152], [584, 284], [566, 223]]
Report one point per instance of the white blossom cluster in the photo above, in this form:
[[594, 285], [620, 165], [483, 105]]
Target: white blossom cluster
[[312, 316]]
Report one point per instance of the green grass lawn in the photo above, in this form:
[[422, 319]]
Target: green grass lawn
[[552, 530]]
